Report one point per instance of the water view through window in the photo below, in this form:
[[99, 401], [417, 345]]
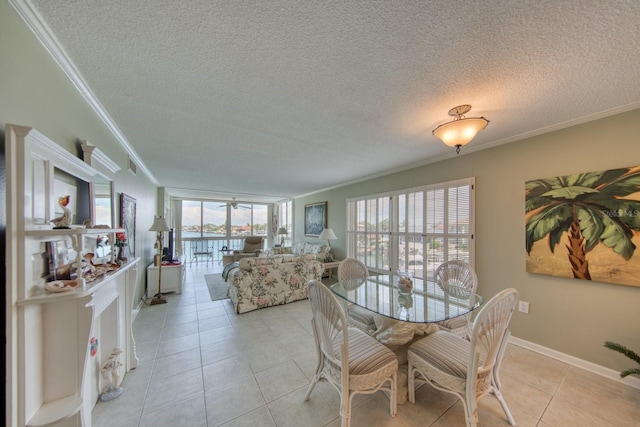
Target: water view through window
[[220, 219]]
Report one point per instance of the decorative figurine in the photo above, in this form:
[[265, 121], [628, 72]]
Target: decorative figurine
[[64, 220], [405, 284], [112, 376]]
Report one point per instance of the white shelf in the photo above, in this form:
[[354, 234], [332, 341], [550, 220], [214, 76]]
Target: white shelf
[[53, 412], [71, 231], [42, 296]]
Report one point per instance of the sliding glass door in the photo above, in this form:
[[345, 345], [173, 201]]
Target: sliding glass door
[[221, 224]]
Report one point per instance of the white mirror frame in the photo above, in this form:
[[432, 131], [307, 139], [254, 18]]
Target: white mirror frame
[[107, 170]]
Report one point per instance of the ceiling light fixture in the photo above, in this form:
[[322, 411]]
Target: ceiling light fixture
[[461, 130]]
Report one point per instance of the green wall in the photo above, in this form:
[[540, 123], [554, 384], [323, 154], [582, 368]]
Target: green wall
[[570, 316], [35, 92]]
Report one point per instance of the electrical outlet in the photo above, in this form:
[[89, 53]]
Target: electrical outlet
[[523, 307]]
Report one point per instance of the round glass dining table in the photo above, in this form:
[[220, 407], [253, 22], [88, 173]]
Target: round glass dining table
[[426, 302]]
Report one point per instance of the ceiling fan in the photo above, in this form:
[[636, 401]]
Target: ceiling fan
[[235, 204]]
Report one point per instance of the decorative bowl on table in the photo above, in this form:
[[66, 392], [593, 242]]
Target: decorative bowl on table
[[405, 281]]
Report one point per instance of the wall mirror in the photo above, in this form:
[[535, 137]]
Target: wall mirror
[[102, 196], [103, 214], [103, 201], [65, 184], [101, 189]]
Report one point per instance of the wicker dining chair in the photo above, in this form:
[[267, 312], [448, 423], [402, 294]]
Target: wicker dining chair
[[361, 318], [352, 361], [467, 369], [458, 280]]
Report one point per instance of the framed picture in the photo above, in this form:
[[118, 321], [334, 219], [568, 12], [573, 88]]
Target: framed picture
[[128, 223], [59, 261], [585, 226], [315, 218]]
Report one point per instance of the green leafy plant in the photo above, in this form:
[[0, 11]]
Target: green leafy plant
[[629, 353]]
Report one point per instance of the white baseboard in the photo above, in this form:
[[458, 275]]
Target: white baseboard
[[578, 363], [136, 310]]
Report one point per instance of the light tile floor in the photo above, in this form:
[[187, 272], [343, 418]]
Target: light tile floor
[[203, 365]]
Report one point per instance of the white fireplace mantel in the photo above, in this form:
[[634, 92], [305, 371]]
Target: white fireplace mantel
[[53, 376]]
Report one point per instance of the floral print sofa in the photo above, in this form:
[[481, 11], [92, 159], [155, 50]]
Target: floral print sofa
[[320, 252], [268, 281]]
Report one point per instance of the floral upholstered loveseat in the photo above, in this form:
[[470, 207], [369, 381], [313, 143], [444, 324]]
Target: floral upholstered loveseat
[[268, 281], [319, 251]]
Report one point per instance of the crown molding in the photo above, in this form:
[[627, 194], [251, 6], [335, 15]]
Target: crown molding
[[39, 27]]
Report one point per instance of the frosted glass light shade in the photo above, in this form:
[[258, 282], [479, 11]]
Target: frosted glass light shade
[[460, 132]]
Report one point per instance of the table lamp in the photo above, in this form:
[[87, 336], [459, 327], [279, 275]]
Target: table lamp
[[328, 234], [282, 232], [159, 225]]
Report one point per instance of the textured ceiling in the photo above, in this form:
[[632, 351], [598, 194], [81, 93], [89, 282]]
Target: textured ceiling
[[284, 98]]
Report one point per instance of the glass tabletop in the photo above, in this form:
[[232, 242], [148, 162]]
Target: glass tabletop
[[425, 303]]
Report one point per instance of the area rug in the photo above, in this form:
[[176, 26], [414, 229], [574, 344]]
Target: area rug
[[217, 287]]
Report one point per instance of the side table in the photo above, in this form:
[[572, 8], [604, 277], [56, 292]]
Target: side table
[[227, 256], [172, 278], [330, 266]]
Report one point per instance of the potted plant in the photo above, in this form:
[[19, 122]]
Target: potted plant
[[629, 353]]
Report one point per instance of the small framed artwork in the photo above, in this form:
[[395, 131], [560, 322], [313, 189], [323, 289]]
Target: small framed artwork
[[59, 261], [315, 218], [128, 223]]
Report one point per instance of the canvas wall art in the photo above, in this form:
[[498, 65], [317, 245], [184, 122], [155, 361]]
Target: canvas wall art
[[585, 226], [128, 223], [315, 218]]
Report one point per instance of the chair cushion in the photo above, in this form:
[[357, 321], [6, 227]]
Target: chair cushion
[[444, 351], [455, 323], [282, 251], [362, 316], [319, 251], [297, 248], [251, 247], [366, 355], [247, 264]]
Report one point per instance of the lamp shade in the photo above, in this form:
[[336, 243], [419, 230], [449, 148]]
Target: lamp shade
[[461, 130], [327, 234], [282, 230], [159, 224]]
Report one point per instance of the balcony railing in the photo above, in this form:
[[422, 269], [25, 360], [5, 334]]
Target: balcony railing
[[213, 245]]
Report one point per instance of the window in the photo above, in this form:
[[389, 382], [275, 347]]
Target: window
[[285, 220], [202, 219], [415, 229], [248, 220]]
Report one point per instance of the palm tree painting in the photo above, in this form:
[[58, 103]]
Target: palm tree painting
[[585, 226]]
